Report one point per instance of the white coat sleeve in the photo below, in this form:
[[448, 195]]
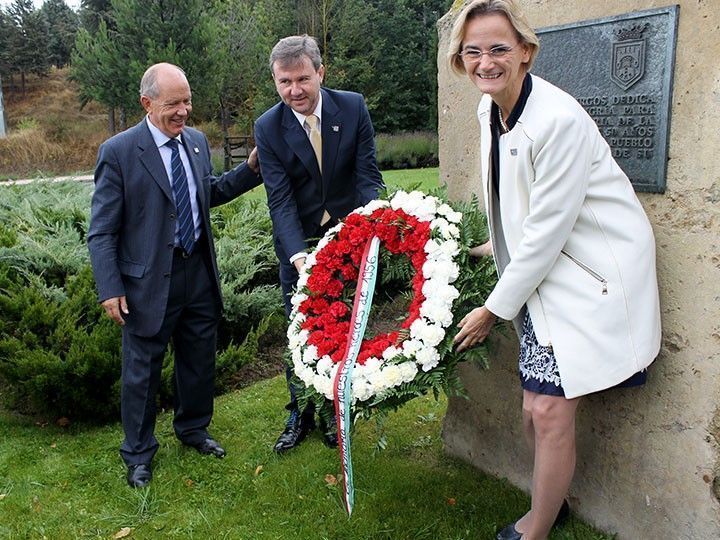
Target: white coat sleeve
[[561, 160]]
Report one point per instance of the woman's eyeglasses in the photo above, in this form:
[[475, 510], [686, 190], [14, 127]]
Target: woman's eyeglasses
[[471, 54]]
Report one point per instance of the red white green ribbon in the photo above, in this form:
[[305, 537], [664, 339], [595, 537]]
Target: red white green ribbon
[[342, 387]]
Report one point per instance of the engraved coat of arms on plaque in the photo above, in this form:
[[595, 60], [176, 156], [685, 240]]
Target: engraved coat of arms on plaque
[[628, 56]]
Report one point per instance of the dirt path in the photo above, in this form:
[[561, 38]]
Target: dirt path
[[75, 178]]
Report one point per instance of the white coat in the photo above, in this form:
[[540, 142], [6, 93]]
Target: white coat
[[571, 242]]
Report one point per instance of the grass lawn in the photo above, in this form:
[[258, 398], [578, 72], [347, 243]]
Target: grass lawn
[[407, 179], [59, 483]]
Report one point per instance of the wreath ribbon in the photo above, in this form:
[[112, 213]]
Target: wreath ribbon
[[342, 385]]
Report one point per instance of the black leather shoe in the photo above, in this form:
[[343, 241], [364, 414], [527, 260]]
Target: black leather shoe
[[139, 475], [329, 431], [297, 428], [210, 446]]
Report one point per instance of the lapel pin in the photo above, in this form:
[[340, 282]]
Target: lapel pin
[[196, 150], [336, 128]]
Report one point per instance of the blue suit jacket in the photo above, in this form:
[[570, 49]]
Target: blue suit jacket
[[132, 223], [297, 193]]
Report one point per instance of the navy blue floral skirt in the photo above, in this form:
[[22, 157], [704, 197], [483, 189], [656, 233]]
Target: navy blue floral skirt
[[538, 367]]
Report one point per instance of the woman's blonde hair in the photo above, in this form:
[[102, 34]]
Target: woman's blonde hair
[[478, 8]]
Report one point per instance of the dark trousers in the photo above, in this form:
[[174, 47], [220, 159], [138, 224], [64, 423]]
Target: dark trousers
[[288, 279], [191, 321]]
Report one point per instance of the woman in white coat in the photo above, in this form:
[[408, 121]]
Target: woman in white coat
[[574, 250]]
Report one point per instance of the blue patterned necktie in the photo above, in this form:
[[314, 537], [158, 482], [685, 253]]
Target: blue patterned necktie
[[186, 226]]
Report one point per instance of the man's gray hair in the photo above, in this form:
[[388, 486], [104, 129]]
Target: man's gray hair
[[289, 51], [148, 83]]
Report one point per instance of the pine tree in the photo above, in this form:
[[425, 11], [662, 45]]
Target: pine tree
[[29, 43], [62, 24]]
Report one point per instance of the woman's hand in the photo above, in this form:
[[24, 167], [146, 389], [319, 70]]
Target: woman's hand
[[474, 328], [483, 250]]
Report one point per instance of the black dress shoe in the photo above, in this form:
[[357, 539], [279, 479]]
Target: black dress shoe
[[210, 446], [297, 428], [510, 533], [139, 475], [329, 431]]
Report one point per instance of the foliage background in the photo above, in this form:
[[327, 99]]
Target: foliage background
[[59, 355], [385, 49]]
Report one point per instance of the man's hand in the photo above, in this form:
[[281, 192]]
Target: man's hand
[[483, 250], [474, 328], [115, 308], [299, 262], [253, 162]]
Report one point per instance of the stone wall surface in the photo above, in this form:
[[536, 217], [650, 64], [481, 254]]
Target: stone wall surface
[[649, 458]]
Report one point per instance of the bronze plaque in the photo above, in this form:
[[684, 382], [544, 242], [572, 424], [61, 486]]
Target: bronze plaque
[[621, 70]]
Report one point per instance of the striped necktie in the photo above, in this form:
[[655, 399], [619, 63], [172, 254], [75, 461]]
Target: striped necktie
[[186, 226]]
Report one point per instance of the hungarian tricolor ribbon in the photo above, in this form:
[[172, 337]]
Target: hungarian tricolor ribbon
[[342, 385]]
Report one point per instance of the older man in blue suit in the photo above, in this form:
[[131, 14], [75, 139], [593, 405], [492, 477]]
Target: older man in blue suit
[[317, 155], [153, 258]]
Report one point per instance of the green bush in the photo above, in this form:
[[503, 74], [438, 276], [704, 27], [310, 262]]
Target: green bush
[[59, 354], [407, 150]]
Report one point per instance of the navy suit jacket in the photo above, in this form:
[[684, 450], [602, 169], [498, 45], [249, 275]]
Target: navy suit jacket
[[132, 224], [297, 192]]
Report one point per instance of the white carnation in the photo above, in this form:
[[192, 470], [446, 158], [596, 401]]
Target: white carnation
[[324, 365], [392, 375], [372, 364], [437, 313], [430, 334], [440, 291], [391, 352], [362, 391], [370, 207], [428, 358], [297, 339], [411, 346], [310, 355], [408, 370], [298, 298]]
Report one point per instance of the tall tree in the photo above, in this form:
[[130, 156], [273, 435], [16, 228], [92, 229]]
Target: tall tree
[[8, 39], [108, 64], [102, 72], [94, 11], [62, 24], [29, 46], [184, 33]]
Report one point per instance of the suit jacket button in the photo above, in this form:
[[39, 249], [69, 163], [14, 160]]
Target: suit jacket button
[[166, 274], [172, 216], [171, 245]]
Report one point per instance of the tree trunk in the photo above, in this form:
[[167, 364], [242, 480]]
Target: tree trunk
[[123, 119], [22, 82], [224, 117], [111, 120]]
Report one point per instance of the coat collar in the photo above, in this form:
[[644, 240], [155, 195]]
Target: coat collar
[[149, 156]]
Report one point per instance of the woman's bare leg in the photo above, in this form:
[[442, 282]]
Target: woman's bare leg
[[550, 421]]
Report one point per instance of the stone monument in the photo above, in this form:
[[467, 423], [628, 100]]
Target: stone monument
[[648, 459]]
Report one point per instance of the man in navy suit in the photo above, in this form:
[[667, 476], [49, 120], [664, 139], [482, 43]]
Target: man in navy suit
[[153, 259], [317, 155]]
